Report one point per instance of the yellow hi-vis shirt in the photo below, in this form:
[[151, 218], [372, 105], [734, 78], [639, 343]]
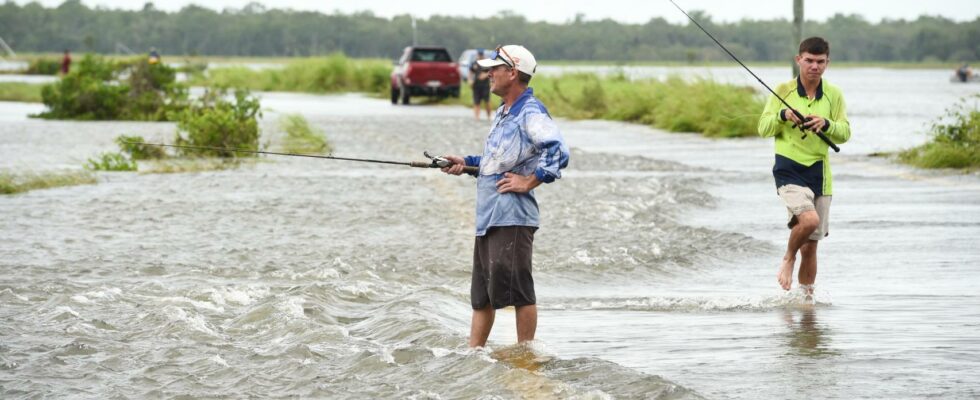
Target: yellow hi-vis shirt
[[800, 161]]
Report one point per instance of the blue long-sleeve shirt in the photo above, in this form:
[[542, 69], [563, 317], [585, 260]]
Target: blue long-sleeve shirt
[[524, 140]]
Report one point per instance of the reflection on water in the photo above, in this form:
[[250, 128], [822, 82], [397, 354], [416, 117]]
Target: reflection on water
[[805, 336]]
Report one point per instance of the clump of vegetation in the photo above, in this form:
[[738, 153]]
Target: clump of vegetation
[[214, 121], [11, 183], [134, 147], [181, 165], [101, 89], [20, 91], [111, 162], [301, 137], [335, 73], [43, 66], [955, 142]]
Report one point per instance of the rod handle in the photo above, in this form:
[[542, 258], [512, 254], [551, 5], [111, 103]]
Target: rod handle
[[819, 134], [422, 164]]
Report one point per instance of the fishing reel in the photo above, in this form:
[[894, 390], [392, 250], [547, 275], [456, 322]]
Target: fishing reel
[[437, 162]]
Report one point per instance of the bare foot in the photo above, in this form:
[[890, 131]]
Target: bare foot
[[785, 273]]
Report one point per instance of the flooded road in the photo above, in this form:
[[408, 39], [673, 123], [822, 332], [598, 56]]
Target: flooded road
[[654, 266]]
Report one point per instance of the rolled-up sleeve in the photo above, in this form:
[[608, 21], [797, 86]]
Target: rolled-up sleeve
[[546, 137]]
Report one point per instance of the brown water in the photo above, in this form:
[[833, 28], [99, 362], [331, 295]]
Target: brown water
[[654, 267]]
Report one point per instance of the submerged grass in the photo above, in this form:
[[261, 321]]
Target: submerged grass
[[335, 73], [678, 105], [179, 165], [11, 183], [955, 142], [301, 137], [20, 91]]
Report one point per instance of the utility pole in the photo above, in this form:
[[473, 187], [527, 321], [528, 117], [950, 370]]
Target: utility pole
[[797, 30], [415, 36]]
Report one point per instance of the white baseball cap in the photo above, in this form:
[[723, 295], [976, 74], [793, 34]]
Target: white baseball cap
[[512, 55]]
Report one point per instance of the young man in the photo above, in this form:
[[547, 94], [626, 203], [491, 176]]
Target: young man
[[524, 149], [480, 83], [802, 168]]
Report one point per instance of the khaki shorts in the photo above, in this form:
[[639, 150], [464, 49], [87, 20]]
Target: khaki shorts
[[799, 199]]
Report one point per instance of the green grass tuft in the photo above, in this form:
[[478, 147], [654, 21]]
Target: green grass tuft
[[20, 91], [11, 183], [955, 142], [301, 137]]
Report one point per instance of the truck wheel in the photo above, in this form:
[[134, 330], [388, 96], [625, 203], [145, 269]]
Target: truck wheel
[[394, 95]]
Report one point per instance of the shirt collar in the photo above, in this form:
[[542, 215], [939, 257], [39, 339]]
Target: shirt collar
[[800, 90], [521, 100]]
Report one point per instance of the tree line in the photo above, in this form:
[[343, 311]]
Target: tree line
[[254, 30]]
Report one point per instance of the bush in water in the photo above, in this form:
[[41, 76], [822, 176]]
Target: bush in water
[[955, 144], [214, 121], [99, 89], [43, 66], [132, 146], [301, 137], [111, 162]]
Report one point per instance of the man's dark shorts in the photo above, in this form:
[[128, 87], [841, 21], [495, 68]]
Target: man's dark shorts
[[481, 93], [502, 268]]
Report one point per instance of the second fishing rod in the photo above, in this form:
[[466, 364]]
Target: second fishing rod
[[789, 107]]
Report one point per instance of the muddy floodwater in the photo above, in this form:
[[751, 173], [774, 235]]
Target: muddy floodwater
[[654, 265]]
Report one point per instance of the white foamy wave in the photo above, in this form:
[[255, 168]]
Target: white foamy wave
[[690, 304], [204, 305], [8, 294], [218, 360], [229, 295], [359, 288], [63, 310], [92, 297], [316, 274], [292, 307], [195, 322]]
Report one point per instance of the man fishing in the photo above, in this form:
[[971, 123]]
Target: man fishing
[[523, 150], [802, 166]]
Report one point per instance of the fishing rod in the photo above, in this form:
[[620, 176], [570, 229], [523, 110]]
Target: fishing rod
[[797, 113], [434, 162]]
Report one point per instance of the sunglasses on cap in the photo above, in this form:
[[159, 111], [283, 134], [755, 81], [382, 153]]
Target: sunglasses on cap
[[499, 53]]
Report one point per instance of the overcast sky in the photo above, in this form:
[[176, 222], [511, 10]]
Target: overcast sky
[[635, 11]]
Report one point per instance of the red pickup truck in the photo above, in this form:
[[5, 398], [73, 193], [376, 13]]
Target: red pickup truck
[[424, 71]]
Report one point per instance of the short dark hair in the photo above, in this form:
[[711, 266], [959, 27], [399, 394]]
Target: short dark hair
[[523, 78], [815, 45]]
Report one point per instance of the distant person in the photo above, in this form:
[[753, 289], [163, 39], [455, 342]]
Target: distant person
[[523, 150], [964, 72], [480, 82], [154, 56], [802, 166], [66, 62]]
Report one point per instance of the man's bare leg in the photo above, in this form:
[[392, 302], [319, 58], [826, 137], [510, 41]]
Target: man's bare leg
[[476, 111], [486, 104], [481, 325], [806, 223], [527, 322], [808, 263]]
